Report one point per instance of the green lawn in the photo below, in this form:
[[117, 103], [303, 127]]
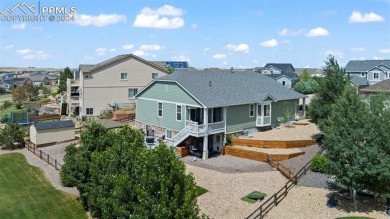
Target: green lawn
[[5, 96], [26, 193], [9, 110]]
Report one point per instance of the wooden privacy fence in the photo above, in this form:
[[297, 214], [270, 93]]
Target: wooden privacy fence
[[276, 198], [43, 156]]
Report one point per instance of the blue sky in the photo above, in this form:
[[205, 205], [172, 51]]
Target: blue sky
[[246, 33]]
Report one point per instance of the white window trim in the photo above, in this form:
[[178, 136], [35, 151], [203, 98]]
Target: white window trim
[[181, 113], [86, 111], [373, 75], [251, 116], [166, 134], [127, 76], [162, 109], [130, 98]]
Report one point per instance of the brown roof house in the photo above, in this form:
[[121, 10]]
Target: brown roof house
[[383, 86]]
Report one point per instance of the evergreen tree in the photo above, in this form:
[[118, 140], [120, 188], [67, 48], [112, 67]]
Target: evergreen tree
[[63, 76]]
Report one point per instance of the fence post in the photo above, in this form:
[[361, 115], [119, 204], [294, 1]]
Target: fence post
[[40, 154], [34, 150], [55, 164], [48, 159], [275, 199]]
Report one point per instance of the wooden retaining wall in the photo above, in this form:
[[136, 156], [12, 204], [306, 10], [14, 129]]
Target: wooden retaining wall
[[273, 143], [257, 155]]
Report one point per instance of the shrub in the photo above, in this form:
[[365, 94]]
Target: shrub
[[229, 140], [18, 105], [6, 104], [44, 100], [319, 163]]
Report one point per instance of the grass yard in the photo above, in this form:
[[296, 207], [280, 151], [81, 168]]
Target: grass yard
[[9, 110], [26, 193], [5, 96]]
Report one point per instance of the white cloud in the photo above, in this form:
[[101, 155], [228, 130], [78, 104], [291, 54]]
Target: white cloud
[[358, 17], [112, 49], [101, 51], [8, 47], [19, 26], [206, 49], [29, 54], [128, 46], [140, 53], [165, 17], [194, 26], [181, 58], [316, 32], [357, 49], [219, 56], [151, 47], [100, 20], [269, 43], [336, 53], [243, 47], [24, 51], [287, 32], [384, 50], [377, 58]]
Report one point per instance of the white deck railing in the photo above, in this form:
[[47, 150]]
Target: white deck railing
[[196, 130]]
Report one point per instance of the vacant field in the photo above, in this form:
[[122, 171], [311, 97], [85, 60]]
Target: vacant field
[[26, 193]]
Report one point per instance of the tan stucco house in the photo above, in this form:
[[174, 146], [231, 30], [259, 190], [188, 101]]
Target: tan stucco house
[[115, 81]]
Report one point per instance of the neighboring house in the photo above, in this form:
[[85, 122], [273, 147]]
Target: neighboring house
[[43, 133], [39, 79], [373, 70], [358, 82], [112, 82], [206, 105], [284, 73], [383, 86], [314, 72], [12, 83]]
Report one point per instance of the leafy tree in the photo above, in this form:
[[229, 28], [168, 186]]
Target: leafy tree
[[170, 70], [305, 76], [19, 94], [31, 91], [329, 89], [358, 143], [119, 178], [63, 76], [11, 137], [46, 91], [6, 104], [306, 87]]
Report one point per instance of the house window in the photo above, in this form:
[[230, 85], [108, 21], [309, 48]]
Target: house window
[[178, 112], [154, 76], [132, 92], [169, 134], [376, 75], [89, 111], [86, 76], [284, 83], [160, 109], [266, 110], [123, 76], [251, 110]]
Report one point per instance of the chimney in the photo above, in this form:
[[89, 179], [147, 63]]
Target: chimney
[[231, 69], [210, 83]]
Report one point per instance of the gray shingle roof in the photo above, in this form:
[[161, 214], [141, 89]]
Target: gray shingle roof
[[292, 76], [90, 68], [378, 87], [53, 125], [364, 65], [14, 81], [37, 78], [230, 88], [356, 79], [284, 67]]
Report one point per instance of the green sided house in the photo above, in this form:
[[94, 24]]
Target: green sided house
[[201, 107]]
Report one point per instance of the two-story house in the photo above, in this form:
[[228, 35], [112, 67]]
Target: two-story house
[[115, 81], [284, 73], [206, 105], [373, 70]]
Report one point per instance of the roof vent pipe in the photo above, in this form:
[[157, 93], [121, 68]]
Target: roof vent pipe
[[210, 83], [231, 69]]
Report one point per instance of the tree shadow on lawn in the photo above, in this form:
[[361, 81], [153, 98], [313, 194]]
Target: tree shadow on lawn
[[365, 203]]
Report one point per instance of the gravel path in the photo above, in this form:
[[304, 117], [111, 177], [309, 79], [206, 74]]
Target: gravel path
[[228, 164], [305, 202], [57, 151], [296, 163], [225, 190], [51, 174]]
